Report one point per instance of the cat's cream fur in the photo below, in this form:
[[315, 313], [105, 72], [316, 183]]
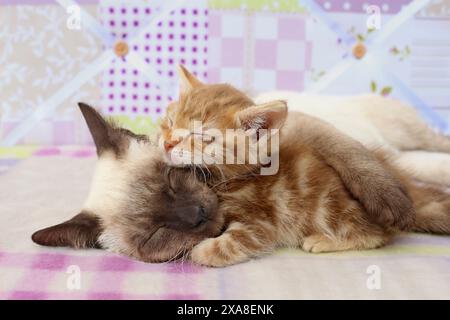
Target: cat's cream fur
[[383, 123]]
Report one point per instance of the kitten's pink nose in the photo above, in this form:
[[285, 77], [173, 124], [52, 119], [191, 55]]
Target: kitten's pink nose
[[168, 145]]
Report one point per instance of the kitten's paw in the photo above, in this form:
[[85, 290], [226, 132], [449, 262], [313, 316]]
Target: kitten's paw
[[213, 252], [317, 244], [203, 253]]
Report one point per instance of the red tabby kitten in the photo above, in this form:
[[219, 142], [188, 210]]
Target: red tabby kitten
[[221, 106], [312, 200]]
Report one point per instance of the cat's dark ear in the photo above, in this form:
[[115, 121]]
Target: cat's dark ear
[[100, 128], [271, 115], [82, 231], [187, 80]]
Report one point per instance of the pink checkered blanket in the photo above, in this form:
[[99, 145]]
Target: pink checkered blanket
[[40, 187]]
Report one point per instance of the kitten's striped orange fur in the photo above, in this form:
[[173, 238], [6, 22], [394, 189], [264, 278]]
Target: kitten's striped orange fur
[[313, 202]]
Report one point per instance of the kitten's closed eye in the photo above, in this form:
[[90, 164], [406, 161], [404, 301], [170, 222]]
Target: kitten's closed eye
[[204, 137], [169, 121], [208, 138]]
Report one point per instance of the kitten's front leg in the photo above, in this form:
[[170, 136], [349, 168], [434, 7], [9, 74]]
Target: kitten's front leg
[[382, 194], [237, 244]]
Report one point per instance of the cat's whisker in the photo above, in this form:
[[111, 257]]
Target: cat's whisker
[[176, 255], [210, 174], [184, 257], [203, 172]]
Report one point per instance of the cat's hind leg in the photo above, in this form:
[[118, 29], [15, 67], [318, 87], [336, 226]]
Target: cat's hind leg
[[402, 126], [432, 204], [432, 167]]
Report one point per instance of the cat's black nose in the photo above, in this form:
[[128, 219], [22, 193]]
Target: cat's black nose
[[187, 217], [198, 218]]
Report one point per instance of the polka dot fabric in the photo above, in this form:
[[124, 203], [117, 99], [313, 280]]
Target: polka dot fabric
[[180, 38]]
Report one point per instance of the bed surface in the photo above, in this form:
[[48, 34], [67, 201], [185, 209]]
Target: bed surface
[[44, 186]]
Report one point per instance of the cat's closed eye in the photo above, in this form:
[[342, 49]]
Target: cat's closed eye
[[170, 183]]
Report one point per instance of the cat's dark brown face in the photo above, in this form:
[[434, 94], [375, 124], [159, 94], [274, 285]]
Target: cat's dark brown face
[[169, 211], [137, 205]]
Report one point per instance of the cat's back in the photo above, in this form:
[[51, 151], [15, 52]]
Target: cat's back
[[323, 106], [353, 115]]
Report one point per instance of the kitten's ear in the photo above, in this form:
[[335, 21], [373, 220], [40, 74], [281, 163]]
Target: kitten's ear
[[187, 80], [271, 115], [82, 231], [98, 126]]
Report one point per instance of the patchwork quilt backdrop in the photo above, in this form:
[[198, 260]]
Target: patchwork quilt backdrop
[[123, 60], [47, 66]]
